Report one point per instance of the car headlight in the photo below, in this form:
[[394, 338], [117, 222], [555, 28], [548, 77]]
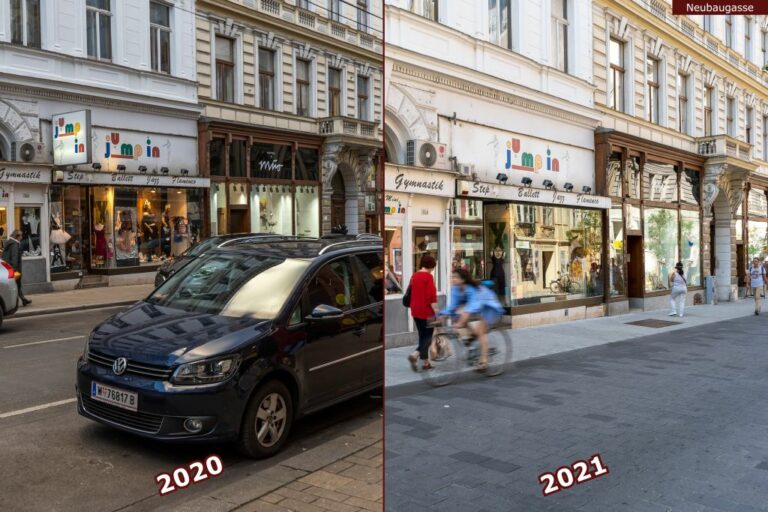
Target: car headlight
[[85, 348], [206, 371]]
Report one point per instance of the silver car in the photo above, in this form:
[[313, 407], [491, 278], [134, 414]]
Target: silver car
[[9, 294]]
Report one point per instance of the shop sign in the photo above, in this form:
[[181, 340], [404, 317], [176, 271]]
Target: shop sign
[[393, 205], [135, 180], [492, 152], [132, 149], [530, 195], [419, 182], [72, 138], [19, 174]]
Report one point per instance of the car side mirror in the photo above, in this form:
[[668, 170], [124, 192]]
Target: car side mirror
[[325, 312]]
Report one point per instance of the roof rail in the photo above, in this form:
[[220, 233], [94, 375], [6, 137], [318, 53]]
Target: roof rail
[[367, 236], [254, 238], [346, 242]]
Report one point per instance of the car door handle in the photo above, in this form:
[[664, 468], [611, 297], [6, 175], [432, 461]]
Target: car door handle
[[361, 330]]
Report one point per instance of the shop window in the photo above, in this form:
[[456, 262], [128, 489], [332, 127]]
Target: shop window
[[468, 250], [3, 222], [334, 92], [613, 175], [499, 22], [634, 221], [634, 177], [271, 161], [426, 241], [498, 268], [225, 69], [238, 194], [102, 242], [266, 79], [393, 260], [690, 187], [307, 210], [307, 164], [758, 239], [660, 182], [237, 158], [690, 245], [99, 28], [160, 36], [66, 229], [216, 149], [616, 252], [758, 204], [661, 247], [302, 87], [182, 221], [218, 209], [25, 22], [136, 226], [27, 220], [271, 209], [363, 98]]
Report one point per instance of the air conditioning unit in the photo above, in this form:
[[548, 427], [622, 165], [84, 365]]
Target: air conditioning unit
[[427, 154], [466, 169], [28, 152]]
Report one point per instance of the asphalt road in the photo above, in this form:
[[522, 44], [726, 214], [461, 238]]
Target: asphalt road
[[680, 419], [52, 459]]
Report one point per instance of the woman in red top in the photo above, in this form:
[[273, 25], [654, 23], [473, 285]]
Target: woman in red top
[[423, 309]]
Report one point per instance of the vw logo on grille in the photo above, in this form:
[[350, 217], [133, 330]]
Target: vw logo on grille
[[119, 366]]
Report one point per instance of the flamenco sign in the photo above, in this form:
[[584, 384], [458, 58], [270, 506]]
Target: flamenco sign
[[72, 138]]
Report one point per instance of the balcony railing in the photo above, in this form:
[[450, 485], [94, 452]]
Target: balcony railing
[[724, 145], [349, 126]]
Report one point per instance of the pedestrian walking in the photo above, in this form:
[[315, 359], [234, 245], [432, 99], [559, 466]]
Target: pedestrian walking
[[12, 255], [757, 281], [679, 290], [423, 304]]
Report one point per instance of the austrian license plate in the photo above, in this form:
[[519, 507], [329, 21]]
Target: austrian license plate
[[113, 396]]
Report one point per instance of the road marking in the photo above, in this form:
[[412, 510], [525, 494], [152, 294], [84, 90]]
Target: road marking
[[37, 408], [46, 341]]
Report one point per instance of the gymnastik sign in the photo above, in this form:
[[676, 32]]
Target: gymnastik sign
[[480, 190]]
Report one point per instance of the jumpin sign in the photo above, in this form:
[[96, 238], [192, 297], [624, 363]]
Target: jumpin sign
[[72, 138]]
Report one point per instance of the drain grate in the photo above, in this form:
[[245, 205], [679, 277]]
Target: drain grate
[[656, 324]]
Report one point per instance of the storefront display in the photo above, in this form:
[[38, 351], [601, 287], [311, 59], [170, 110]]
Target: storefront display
[[617, 283], [393, 260], [28, 219], [661, 247], [467, 220]]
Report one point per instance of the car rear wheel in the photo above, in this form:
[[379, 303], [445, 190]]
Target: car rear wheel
[[267, 421]]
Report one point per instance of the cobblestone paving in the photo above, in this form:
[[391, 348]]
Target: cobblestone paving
[[352, 484], [680, 419]]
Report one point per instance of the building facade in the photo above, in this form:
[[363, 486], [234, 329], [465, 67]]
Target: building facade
[[682, 149], [489, 139], [291, 121], [98, 137]]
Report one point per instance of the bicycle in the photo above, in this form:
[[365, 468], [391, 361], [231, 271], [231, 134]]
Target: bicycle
[[450, 352], [564, 284]]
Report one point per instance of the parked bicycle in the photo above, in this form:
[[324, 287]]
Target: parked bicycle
[[564, 284], [450, 352]]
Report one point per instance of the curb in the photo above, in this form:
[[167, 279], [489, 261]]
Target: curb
[[69, 309]]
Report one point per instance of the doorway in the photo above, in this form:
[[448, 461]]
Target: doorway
[[741, 267], [338, 201], [238, 220], [635, 267]]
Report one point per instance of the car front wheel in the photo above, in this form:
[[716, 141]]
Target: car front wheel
[[267, 421]]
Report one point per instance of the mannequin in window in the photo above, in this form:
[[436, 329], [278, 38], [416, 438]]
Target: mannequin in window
[[100, 246], [498, 275], [166, 232], [149, 231]]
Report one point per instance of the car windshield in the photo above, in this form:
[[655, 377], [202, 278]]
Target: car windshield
[[232, 284], [200, 248]]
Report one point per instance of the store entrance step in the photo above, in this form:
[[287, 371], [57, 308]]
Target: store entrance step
[[91, 281]]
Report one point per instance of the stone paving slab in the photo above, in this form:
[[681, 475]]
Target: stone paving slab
[[677, 438]]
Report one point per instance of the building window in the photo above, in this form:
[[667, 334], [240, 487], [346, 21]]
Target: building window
[[616, 75], [99, 21], [707, 23], [266, 79], [302, 87], [765, 137], [363, 94], [560, 34], [363, 23], [748, 37], [682, 103], [334, 92], [25, 22], [334, 10], [160, 36], [709, 93], [731, 116], [428, 8], [499, 23], [652, 73], [729, 31], [303, 4], [764, 46], [749, 123], [225, 69]]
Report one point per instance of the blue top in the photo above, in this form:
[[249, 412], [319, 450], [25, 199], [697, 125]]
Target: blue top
[[475, 300]]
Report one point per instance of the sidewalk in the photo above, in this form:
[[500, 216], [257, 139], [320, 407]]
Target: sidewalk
[[555, 338], [76, 300]]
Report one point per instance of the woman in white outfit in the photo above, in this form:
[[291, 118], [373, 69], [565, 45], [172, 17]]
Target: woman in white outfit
[[679, 290]]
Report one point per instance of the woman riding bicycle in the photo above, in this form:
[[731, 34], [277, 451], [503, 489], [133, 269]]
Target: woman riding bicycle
[[475, 306]]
